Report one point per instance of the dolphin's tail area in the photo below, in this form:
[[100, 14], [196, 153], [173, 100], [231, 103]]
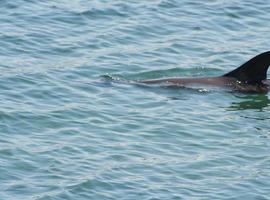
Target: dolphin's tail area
[[253, 71]]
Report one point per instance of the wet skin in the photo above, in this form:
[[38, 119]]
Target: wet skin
[[224, 82], [249, 77]]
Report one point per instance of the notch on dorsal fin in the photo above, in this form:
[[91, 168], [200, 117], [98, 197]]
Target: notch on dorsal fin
[[253, 71]]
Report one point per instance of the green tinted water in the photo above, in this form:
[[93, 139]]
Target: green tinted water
[[69, 131]]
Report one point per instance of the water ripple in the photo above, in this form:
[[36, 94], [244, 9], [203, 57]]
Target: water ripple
[[74, 125]]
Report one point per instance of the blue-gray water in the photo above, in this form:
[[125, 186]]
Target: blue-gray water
[[68, 130]]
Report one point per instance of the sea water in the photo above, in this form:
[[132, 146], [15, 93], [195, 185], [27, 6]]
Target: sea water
[[73, 126]]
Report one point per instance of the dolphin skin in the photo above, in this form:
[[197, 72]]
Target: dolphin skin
[[249, 77]]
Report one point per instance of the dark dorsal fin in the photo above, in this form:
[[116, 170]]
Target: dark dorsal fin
[[253, 71]]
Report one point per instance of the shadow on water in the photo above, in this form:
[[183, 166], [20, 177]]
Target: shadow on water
[[250, 102]]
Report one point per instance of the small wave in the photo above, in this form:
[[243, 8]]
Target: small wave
[[154, 74], [102, 13], [109, 77]]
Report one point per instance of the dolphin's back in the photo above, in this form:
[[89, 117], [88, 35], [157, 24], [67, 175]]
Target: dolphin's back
[[251, 76]]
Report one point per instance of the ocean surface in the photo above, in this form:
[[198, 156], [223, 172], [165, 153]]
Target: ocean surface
[[73, 127]]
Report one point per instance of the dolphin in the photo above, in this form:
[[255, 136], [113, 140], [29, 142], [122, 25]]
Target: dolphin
[[249, 77]]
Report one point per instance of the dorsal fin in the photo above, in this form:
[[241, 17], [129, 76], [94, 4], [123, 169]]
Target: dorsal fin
[[253, 71]]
